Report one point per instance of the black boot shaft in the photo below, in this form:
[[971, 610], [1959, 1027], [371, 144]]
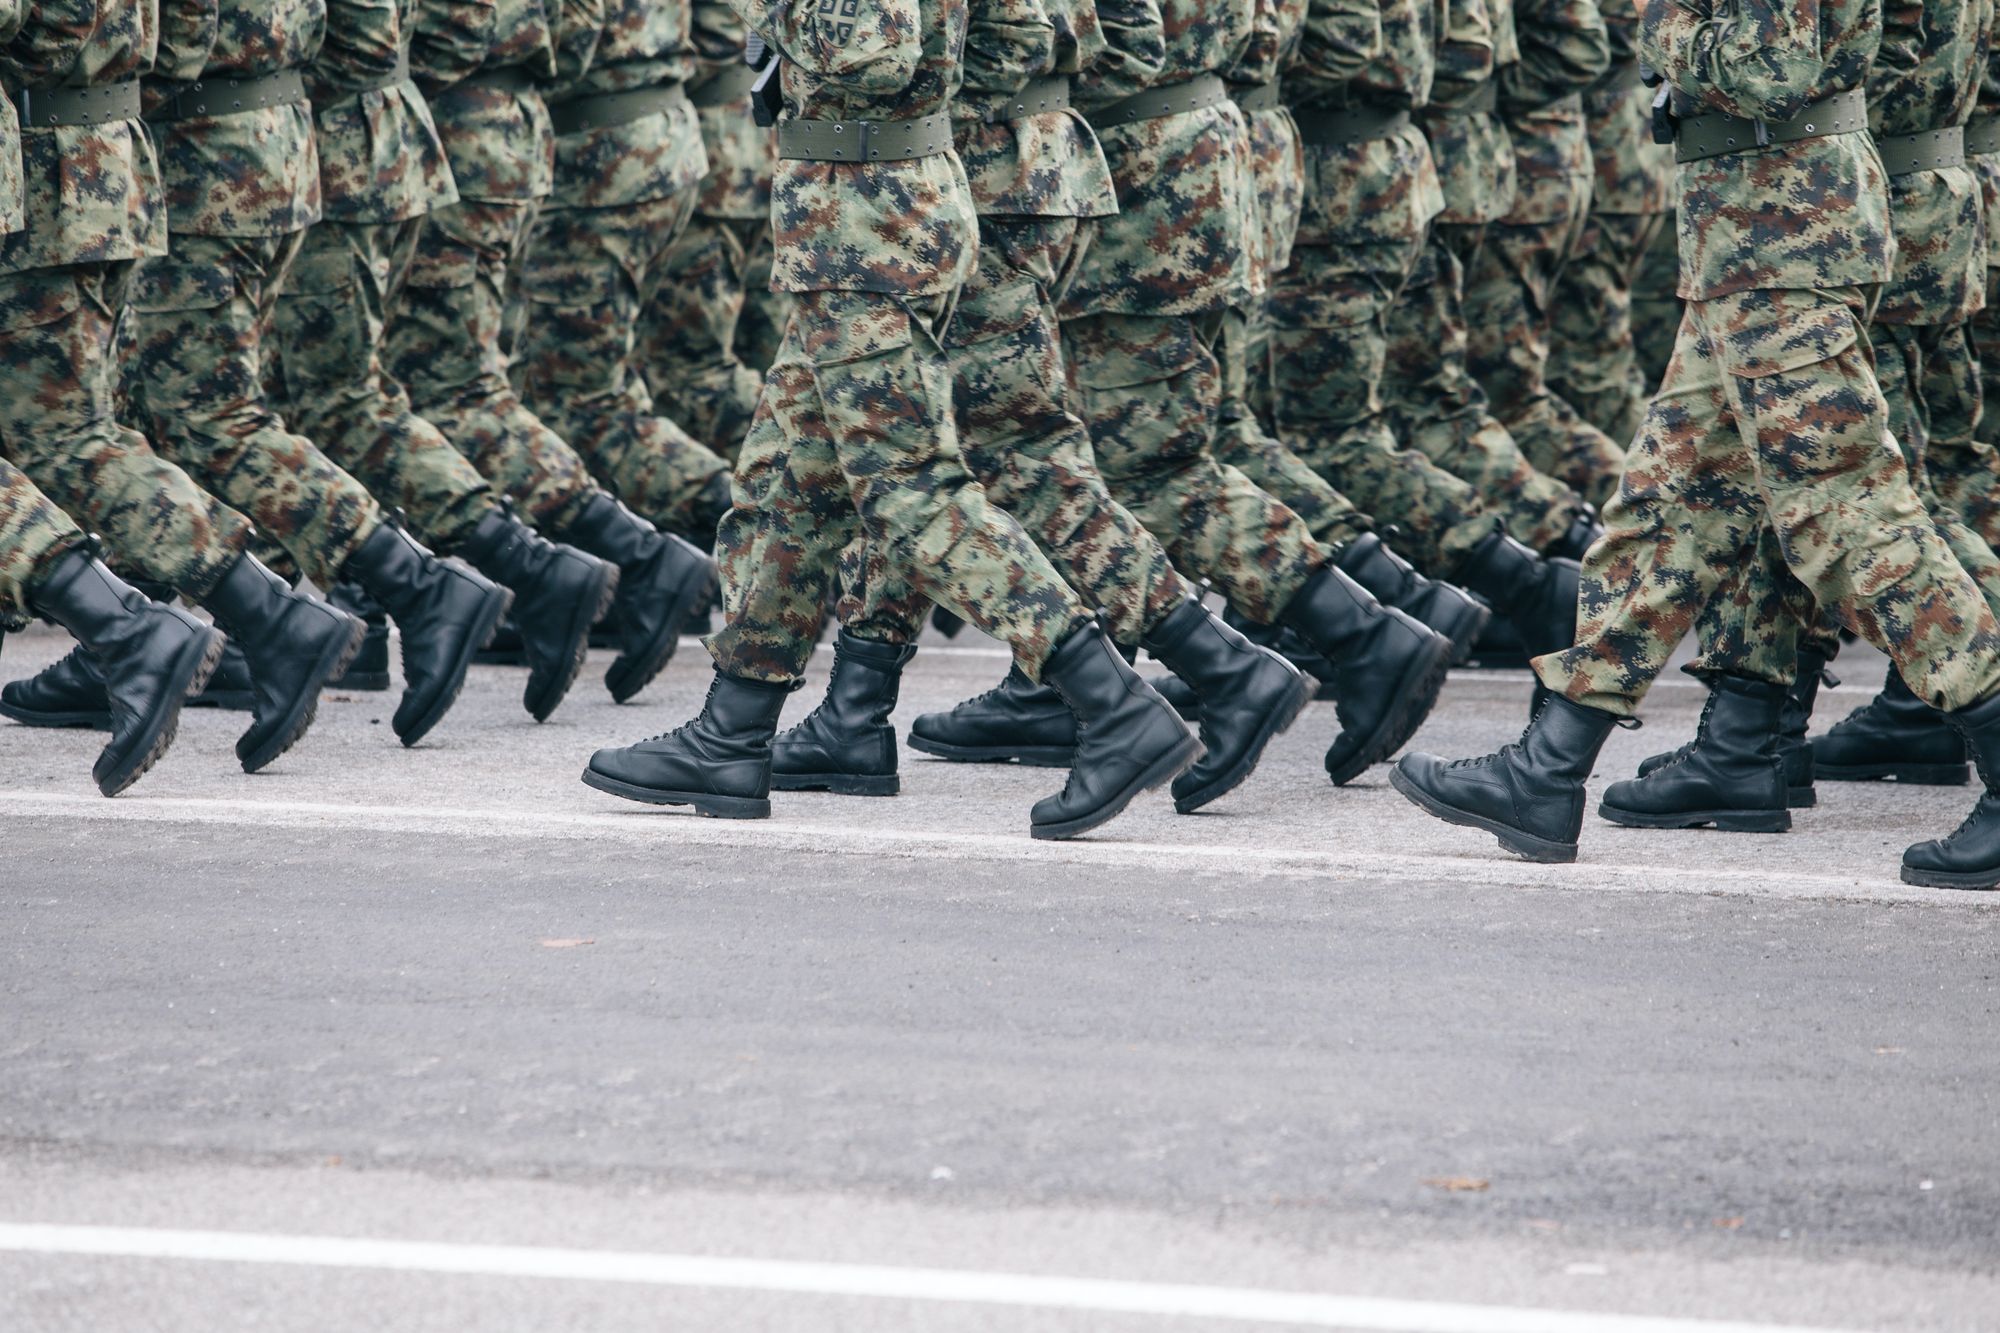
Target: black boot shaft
[[663, 582], [559, 593], [846, 744], [1970, 857], [1732, 776], [1895, 736], [1243, 696], [1536, 595], [292, 645], [1389, 578]]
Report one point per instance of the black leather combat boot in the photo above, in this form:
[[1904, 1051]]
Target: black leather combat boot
[[1245, 696], [1388, 668], [1017, 721], [705, 511], [948, 623], [150, 657], [1530, 794], [68, 692], [1127, 739], [663, 580], [1894, 735], [230, 687], [369, 671], [292, 645], [1537, 596], [846, 745], [720, 763], [1584, 530], [445, 610], [559, 593], [1393, 581], [1970, 857], [1793, 751], [1732, 775]]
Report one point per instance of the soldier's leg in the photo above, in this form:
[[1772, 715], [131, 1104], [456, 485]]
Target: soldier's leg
[[34, 537], [588, 278], [1964, 465], [1593, 360], [1437, 407], [766, 313], [1508, 299], [56, 332], [1656, 306], [688, 336]]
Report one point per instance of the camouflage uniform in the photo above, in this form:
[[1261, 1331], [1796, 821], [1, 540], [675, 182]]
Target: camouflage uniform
[[1970, 482], [93, 206], [477, 61], [1593, 360], [628, 158], [241, 187], [1036, 180], [1511, 286], [381, 169], [854, 435], [1656, 302], [1435, 405], [1150, 297], [1770, 412], [34, 535], [709, 333]]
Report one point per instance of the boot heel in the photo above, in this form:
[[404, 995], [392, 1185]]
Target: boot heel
[[1755, 822], [1915, 775], [838, 784]]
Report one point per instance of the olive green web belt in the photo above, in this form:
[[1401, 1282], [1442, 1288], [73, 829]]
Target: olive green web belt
[[1927, 150], [50, 108], [601, 111], [1698, 137], [227, 97], [1196, 94], [865, 140]]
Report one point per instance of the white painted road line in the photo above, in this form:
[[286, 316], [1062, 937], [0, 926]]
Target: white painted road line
[[1237, 1304]]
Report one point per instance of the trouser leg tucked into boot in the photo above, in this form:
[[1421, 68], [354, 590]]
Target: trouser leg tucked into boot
[[446, 612], [1388, 668], [1393, 581], [559, 593], [719, 763], [1970, 857], [846, 745], [1896, 736], [1530, 794], [1017, 721], [1244, 696], [663, 580], [1128, 740], [151, 657], [1732, 775]]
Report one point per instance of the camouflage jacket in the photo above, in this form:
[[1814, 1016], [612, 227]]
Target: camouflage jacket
[[13, 203], [1182, 242], [1047, 163], [902, 227], [1277, 157], [1986, 166], [380, 159], [1564, 49], [1471, 146], [636, 44], [248, 173], [1377, 196], [1633, 175], [1926, 76], [497, 139], [1812, 213], [742, 155], [89, 194]]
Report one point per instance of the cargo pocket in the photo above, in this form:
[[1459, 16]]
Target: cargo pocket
[[165, 285]]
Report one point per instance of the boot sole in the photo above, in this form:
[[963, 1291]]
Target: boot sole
[[482, 634], [1725, 821], [1163, 770], [542, 704], [839, 784], [305, 708], [1400, 723], [1915, 775], [627, 684], [1950, 879], [1278, 721], [706, 803], [1511, 839], [197, 663], [30, 718], [1028, 756]]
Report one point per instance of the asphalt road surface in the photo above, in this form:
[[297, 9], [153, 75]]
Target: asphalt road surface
[[441, 1039]]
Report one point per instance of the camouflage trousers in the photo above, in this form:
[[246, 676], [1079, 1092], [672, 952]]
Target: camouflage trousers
[[1509, 308], [1329, 314], [327, 331], [1027, 446], [1768, 442], [854, 440], [1593, 357], [701, 335], [191, 353], [1437, 407], [589, 277], [1971, 483], [1656, 305], [34, 534], [1150, 387], [444, 345]]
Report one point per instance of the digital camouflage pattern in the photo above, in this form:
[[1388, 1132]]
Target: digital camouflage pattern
[[1770, 414], [34, 534], [1973, 486], [1470, 143], [380, 158], [13, 190], [855, 439], [1656, 302], [1510, 285], [497, 139]]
